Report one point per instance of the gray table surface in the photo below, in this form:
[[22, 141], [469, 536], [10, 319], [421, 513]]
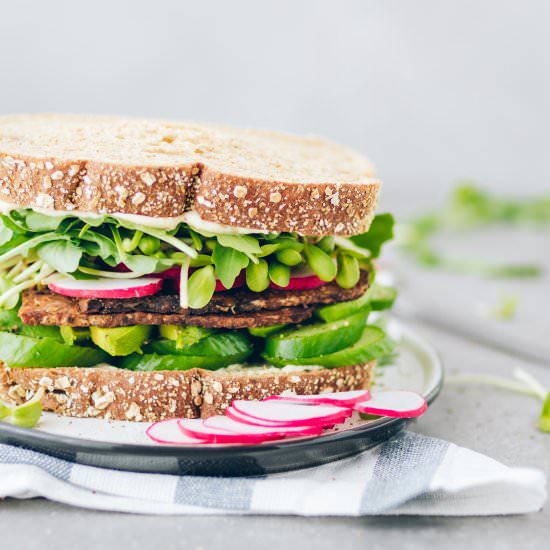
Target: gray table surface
[[490, 421]]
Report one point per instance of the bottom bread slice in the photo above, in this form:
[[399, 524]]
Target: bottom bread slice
[[118, 394]]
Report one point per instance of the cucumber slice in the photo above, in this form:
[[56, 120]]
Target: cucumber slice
[[217, 346], [26, 351], [317, 339], [377, 298], [264, 332], [382, 297], [373, 344]]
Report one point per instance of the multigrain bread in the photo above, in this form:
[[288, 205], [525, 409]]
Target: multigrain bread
[[255, 179], [117, 394]]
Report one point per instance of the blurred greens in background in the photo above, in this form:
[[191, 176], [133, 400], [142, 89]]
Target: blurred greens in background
[[470, 207]]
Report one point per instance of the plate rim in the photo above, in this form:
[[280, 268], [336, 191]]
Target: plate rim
[[28, 436]]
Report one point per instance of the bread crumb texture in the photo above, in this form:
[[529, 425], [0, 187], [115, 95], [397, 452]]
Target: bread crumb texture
[[117, 394], [241, 177]]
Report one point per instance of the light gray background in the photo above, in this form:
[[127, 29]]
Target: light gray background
[[431, 90]]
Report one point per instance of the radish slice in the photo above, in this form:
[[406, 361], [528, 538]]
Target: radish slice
[[342, 398], [169, 433], [288, 414], [239, 281], [236, 425], [300, 283], [107, 288], [398, 404], [247, 435], [239, 417]]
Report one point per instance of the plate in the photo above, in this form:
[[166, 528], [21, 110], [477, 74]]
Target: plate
[[124, 445]]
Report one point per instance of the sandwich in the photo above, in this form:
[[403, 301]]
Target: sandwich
[[153, 269]]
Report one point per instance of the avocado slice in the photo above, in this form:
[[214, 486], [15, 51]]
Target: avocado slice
[[71, 335], [120, 340], [184, 336]]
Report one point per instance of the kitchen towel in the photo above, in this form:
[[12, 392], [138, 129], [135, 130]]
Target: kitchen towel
[[408, 474]]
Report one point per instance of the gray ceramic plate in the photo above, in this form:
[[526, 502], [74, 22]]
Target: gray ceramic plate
[[124, 445]]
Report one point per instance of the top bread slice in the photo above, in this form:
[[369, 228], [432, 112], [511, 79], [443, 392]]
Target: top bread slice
[[253, 179]]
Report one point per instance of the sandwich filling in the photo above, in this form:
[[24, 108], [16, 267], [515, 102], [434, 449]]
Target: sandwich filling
[[78, 290]]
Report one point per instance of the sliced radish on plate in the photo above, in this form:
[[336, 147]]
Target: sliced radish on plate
[[342, 398], [236, 425], [169, 433], [247, 434], [107, 288], [239, 417], [289, 414], [395, 403]]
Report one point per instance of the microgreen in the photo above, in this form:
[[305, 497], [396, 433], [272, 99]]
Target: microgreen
[[521, 382], [470, 208], [34, 247]]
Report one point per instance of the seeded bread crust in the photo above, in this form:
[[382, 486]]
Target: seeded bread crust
[[243, 178], [117, 394], [219, 389]]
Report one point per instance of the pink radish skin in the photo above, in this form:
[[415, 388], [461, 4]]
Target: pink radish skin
[[235, 425], [343, 399], [248, 435], [168, 432], [107, 288], [300, 283], [289, 414], [395, 403], [236, 415]]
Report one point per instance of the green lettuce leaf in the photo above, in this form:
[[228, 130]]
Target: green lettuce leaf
[[380, 231], [64, 256], [228, 263]]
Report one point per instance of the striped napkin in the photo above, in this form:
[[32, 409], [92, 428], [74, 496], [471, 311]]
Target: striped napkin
[[408, 474]]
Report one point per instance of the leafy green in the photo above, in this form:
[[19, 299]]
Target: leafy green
[[201, 285], [41, 222], [5, 234], [10, 322], [243, 243], [544, 418], [522, 383], [507, 307], [63, 256], [469, 208], [228, 263], [380, 231], [39, 245]]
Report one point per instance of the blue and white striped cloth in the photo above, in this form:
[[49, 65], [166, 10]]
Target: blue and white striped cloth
[[409, 474]]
